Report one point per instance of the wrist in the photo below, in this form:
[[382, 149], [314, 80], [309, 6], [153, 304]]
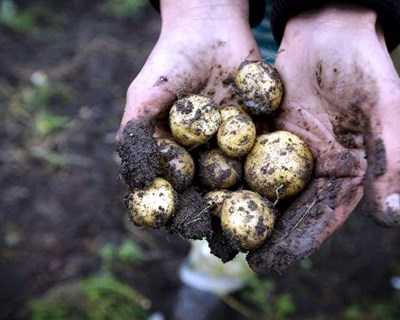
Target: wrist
[[201, 12], [345, 20]]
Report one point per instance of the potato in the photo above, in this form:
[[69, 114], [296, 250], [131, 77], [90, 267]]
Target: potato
[[178, 165], [193, 120], [217, 171], [279, 165], [259, 89], [153, 206], [236, 136], [215, 200], [247, 219], [231, 110]]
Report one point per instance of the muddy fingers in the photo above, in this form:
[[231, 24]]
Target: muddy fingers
[[314, 216]]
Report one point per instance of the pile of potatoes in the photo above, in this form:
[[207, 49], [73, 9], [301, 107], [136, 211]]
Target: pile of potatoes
[[241, 175]]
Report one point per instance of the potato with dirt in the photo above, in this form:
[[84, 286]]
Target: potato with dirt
[[153, 206], [177, 163], [259, 89], [216, 171], [236, 136], [279, 166], [194, 119], [215, 199], [247, 219]]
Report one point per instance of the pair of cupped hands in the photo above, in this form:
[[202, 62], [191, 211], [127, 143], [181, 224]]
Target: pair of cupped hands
[[341, 96]]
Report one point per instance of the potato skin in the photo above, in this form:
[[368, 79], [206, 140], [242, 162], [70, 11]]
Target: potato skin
[[217, 171], [279, 162], [215, 199], [230, 111], [193, 120], [236, 136], [247, 219], [153, 206], [259, 89], [178, 165]]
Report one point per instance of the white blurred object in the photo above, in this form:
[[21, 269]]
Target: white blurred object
[[39, 78], [395, 282], [205, 272], [156, 316]]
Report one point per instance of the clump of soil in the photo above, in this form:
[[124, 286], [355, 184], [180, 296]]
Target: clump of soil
[[140, 160], [192, 219], [219, 244]]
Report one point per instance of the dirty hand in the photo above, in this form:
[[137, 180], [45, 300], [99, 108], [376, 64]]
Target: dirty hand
[[342, 96], [200, 47]]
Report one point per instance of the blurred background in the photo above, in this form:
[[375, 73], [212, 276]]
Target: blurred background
[[67, 249]]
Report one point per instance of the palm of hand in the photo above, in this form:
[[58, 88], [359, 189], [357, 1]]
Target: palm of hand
[[343, 104]]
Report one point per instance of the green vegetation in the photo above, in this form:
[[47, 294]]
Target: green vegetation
[[116, 257], [99, 297], [122, 8], [261, 295]]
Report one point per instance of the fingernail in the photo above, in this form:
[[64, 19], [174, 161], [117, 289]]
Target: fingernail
[[392, 206]]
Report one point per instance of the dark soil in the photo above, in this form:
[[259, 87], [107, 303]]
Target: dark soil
[[61, 199]]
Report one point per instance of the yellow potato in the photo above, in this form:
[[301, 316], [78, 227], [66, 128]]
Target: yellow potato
[[215, 199], [193, 120], [247, 219], [231, 110], [178, 165], [279, 165], [217, 171], [236, 136], [153, 206], [259, 89]]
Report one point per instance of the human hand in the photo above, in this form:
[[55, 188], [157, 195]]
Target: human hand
[[199, 50], [200, 47], [342, 96]]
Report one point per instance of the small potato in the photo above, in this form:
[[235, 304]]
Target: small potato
[[231, 110], [217, 171], [178, 165], [215, 199], [236, 136], [153, 206], [259, 88], [193, 120], [247, 219], [279, 165]]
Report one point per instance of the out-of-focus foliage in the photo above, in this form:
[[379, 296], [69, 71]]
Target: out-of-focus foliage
[[100, 297], [122, 8]]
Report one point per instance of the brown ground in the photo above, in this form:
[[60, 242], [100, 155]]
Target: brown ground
[[57, 213]]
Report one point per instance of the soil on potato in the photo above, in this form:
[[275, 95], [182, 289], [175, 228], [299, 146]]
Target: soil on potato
[[61, 199]]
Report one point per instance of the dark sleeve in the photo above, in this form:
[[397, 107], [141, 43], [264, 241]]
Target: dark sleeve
[[256, 10], [388, 15]]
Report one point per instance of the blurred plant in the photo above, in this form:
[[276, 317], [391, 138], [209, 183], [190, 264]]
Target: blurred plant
[[122, 8], [260, 300], [127, 253], [33, 125], [100, 297], [14, 19]]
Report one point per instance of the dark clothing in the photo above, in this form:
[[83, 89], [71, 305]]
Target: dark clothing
[[282, 10], [388, 15]]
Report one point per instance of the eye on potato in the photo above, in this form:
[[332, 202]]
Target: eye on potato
[[215, 200], [279, 165], [247, 219], [193, 120], [259, 88], [236, 136], [178, 165], [153, 206], [217, 171]]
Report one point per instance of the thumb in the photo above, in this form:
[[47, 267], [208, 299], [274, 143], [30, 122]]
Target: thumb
[[382, 183]]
